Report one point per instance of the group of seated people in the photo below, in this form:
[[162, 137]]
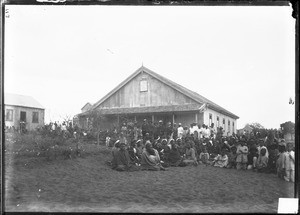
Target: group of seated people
[[241, 154]]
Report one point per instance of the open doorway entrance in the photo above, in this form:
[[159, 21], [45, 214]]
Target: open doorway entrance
[[23, 116]]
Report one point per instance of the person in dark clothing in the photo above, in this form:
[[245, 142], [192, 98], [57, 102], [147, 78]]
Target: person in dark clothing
[[272, 159], [252, 156], [121, 160], [160, 129], [169, 130], [133, 152], [174, 158], [174, 131]]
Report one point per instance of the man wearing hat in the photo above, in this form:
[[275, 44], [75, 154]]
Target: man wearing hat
[[160, 128]]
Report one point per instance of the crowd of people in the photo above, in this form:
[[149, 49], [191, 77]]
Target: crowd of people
[[155, 146]]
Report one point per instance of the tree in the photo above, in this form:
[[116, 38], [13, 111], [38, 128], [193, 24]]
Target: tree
[[288, 127], [256, 125], [95, 122]]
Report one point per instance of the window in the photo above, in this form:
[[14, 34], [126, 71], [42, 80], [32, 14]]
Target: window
[[218, 122], [232, 126], [143, 85], [210, 119], [224, 123], [9, 115], [229, 126], [35, 117]]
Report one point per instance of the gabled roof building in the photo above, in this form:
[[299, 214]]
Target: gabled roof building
[[148, 95]]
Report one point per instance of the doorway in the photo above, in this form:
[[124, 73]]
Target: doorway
[[23, 116]]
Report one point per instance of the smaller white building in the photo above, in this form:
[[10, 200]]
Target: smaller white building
[[21, 108]]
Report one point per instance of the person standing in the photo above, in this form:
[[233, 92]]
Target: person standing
[[280, 160], [179, 131], [242, 158], [144, 127], [289, 164], [174, 131], [212, 131]]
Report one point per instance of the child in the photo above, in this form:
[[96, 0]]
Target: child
[[221, 160], [242, 159], [280, 160], [204, 156], [289, 163], [262, 161], [232, 158]]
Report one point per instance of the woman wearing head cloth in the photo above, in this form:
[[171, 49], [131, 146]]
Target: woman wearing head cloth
[[150, 158]]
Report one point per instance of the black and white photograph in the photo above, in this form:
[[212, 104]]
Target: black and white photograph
[[149, 108]]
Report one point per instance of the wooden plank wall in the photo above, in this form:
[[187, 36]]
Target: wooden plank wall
[[158, 94]]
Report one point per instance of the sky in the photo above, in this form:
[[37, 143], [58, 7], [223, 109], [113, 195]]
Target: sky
[[240, 57]]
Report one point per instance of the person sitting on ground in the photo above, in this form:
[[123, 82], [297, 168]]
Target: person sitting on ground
[[280, 160], [150, 158], [133, 152], [115, 149], [181, 147], [204, 156], [163, 150], [121, 160], [232, 158], [190, 156], [139, 148], [242, 159], [221, 160], [174, 158], [262, 161], [289, 163]]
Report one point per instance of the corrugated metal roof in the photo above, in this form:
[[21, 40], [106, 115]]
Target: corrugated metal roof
[[148, 109], [193, 95], [21, 100]]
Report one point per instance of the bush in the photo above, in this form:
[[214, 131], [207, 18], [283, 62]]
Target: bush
[[37, 145]]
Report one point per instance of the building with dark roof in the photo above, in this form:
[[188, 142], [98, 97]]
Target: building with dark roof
[[21, 108], [148, 95]]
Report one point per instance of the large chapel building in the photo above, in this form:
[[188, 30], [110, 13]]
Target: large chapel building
[[148, 95]]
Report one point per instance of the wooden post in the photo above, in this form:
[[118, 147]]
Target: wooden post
[[152, 118], [173, 118], [118, 119], [196, 118]]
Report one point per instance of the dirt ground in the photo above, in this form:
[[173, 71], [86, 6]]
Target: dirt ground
[[87, 184]]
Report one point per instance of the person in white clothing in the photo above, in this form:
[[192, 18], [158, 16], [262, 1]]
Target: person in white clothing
[[262, 145], [202, 131], [206, 132], [179, 131], [289, 163], [63, 127], [212, 130]]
